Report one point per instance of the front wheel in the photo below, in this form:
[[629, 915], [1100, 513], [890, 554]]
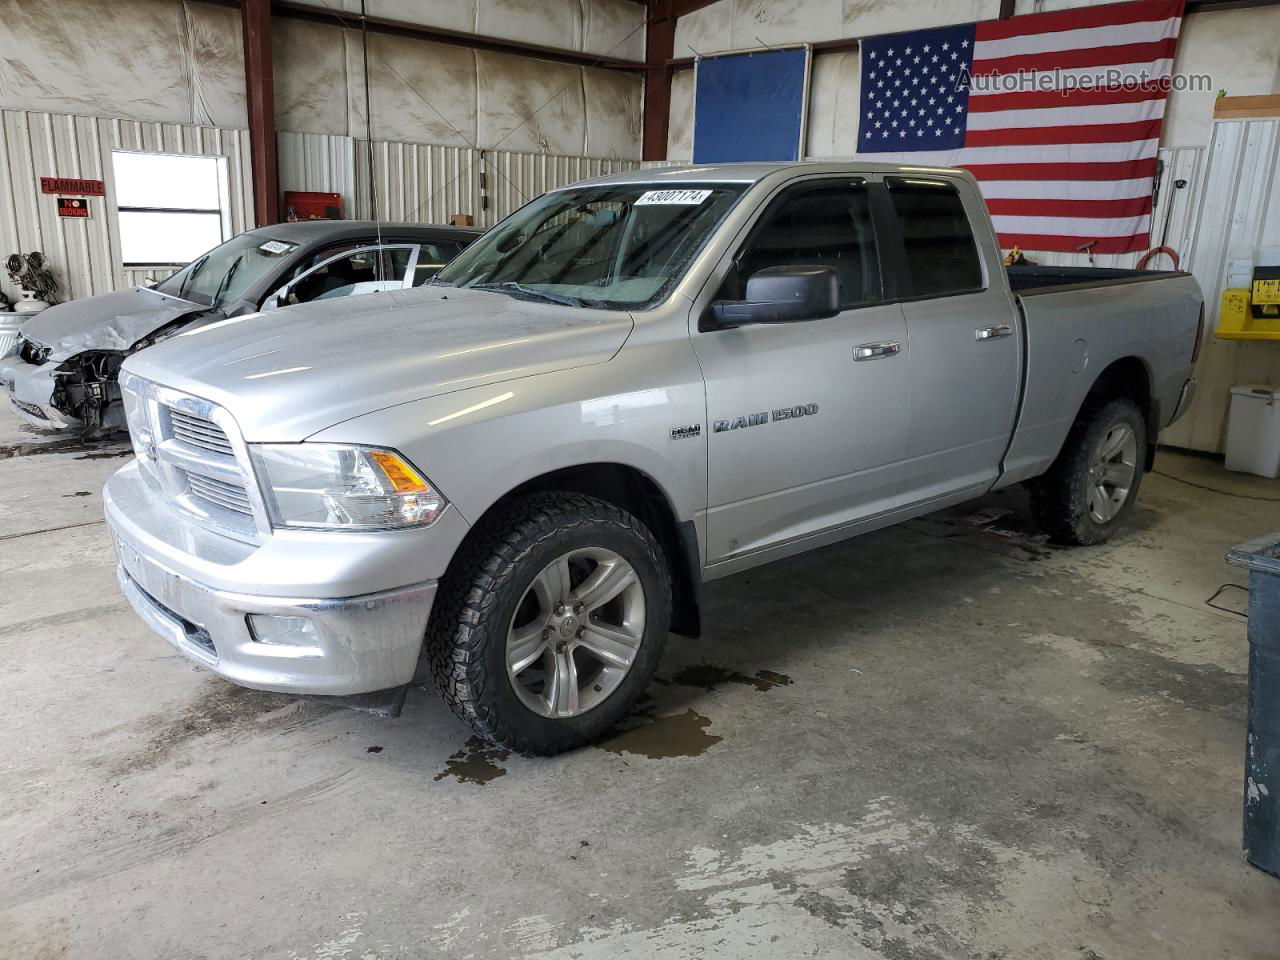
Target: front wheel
[[1090, 489], [552, 624]]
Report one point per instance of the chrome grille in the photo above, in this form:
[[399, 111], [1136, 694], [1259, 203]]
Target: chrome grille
[[230, 496], [200, 433]]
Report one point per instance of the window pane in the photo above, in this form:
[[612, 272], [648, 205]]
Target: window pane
[[166, 180], [433, 256], [941, 255], [826, 226], [353, 275], [167, 237]]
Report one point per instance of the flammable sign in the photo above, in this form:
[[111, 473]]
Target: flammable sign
[[74, 207]]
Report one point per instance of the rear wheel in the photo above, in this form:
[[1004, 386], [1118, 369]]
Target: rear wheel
[[1090, 489], [552, 624]]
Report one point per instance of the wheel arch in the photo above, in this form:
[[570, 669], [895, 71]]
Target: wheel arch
[[636, 492], [1128, 378]]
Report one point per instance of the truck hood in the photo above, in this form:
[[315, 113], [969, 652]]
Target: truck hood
[[287, 374], [111, 321]]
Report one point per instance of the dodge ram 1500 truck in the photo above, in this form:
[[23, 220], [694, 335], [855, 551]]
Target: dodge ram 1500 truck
[[516, 479]]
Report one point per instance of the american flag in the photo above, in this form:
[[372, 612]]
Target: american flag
[[1064, 151]]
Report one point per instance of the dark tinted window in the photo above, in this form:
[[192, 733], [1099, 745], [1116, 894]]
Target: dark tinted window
[[941, 255], [827, 226], [432, 256]]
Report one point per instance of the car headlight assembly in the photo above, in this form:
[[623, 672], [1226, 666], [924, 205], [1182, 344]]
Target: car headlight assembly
[[329, 486]]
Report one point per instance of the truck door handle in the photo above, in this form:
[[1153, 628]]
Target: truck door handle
[[876, 351], [993, 332]]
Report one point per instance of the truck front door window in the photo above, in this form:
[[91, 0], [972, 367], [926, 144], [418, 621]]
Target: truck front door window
[[824, 226]]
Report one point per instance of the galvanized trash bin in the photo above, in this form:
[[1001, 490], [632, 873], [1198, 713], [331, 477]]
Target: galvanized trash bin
[[1262, 750]]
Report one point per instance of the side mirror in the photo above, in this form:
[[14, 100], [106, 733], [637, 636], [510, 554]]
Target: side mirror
[[785, 294]]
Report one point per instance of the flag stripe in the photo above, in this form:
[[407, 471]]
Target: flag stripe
[[1070, 209], [1067, 189], [1145, 31], [1069, 116], [1085, 227], [1100, 172], [1054, 243], [1040, 99], [1102, 15], [1108, 133], [1085, 57]]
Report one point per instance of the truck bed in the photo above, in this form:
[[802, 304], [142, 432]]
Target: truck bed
[[1032, 280]]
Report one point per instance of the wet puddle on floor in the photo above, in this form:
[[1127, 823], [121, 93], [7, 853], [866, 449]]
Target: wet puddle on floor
[[708, 676], [679, 735], [477, 762]]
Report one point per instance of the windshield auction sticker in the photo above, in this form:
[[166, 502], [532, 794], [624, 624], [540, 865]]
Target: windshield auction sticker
[[688, 198], [276, 246]]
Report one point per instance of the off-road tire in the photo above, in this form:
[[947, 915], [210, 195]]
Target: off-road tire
[[1059, 498], [466, 639]]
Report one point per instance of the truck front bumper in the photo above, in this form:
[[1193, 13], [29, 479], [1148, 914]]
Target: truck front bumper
[[30, 392], [287, 640]]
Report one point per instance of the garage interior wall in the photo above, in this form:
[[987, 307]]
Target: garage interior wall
[[1229, 209], [168, 76]]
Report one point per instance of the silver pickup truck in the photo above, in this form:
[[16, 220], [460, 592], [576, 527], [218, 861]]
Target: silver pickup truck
[[516, 479]]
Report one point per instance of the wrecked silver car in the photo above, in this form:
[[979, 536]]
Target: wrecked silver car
[[64, 372]]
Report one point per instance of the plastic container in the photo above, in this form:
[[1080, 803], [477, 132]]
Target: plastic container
[[1262, 745], [1253, 430]]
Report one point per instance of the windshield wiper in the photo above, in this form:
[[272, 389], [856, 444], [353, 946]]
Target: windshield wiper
[[511, 285], [195, 268], [226, 281]]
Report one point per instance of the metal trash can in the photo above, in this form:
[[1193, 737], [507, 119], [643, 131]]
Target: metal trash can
[[1262, 750], [9, 324]]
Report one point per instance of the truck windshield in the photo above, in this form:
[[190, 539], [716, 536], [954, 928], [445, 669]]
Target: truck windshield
[[618, 246], [223, 274]]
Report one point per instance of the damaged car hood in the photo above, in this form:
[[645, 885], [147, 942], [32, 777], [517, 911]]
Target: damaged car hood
[[288, 374], [112, 321]]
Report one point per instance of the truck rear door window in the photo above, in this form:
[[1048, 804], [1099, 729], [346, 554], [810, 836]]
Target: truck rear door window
[[827, 226], [942, 257]]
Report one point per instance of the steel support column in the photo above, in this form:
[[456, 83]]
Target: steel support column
[[260, 97]]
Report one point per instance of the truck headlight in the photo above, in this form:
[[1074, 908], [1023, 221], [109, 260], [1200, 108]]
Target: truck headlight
[[331, 486]]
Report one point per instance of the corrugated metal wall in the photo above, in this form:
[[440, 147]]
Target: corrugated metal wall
[[85, 254], [426, 183], [1239, 211]]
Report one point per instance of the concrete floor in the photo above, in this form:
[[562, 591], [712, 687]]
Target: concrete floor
[[942, 740]]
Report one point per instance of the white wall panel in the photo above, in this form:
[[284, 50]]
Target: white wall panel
[[1239, 211], [612, 27], [85, 254], [680, 120], [157, 60], [421, 183], [314, 161]]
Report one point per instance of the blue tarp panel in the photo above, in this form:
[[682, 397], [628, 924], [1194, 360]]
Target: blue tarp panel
[[750, 106]]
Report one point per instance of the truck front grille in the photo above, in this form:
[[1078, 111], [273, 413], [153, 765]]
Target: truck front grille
[[190, 451], [200, 433], [229, 496]]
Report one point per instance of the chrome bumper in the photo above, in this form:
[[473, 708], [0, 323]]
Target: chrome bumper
[[357, 645], [198, 590]]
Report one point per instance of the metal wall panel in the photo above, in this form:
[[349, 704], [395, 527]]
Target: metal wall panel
[[85, 254], [423, 183], [1239, 211], [315, 161]]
